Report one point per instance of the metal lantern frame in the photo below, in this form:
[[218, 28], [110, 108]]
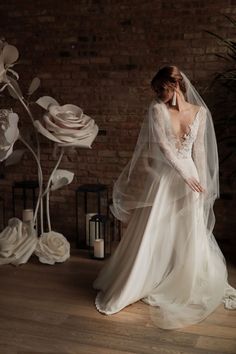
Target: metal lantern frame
[[95, 192], [101, 230]]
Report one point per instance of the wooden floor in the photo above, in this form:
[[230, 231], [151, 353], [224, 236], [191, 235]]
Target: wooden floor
[[50, 309]]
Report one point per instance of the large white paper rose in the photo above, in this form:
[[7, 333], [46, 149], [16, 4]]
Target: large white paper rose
[[8, 132], [52, 247], [66, 125], [17, 243]]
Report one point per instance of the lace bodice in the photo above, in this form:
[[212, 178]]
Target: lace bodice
[[191, 145], [183, 146]]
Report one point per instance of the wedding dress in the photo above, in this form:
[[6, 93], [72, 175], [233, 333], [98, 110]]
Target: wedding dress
[[168, 256]]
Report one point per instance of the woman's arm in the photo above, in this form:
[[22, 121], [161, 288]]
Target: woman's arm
[[169, 154]]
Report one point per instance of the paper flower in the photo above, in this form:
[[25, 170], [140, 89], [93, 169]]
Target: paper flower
[[17, 243], [66, 125], [8, 56], [61, 178], [52, 247], [8, 132]]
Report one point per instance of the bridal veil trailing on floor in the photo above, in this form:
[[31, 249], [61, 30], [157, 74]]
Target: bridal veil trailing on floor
[[168, 256]]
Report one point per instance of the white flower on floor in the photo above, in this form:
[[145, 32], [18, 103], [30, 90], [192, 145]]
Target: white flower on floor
[[17, 243], [66, 125], [9, 132], [52, 247]]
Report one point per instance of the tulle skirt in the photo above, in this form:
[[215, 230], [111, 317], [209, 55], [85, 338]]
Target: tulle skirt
[[167, 258]]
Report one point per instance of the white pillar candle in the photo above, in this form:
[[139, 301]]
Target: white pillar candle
[[92, 229], [27, 215], [28, 220], [99, 248]]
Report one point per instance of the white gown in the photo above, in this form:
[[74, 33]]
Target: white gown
[[165, 257]]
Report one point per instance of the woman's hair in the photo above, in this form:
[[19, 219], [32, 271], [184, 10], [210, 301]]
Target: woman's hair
[[167, 77]]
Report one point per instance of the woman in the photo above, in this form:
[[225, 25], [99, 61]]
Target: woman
[[168, 256]]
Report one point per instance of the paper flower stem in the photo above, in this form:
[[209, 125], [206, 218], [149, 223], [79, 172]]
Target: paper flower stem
[[48, 211], [21, 101], [40, 176], [47, 190]]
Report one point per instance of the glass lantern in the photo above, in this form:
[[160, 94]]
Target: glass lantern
[[99, 237]]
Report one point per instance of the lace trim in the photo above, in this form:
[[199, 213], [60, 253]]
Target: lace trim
[[183, 144]]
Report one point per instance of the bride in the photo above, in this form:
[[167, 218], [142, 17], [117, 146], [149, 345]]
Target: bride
[[168, 256]]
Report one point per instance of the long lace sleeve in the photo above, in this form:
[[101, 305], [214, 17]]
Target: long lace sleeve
[[198, 152], [165, 145]]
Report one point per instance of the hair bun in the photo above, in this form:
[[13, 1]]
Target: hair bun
[[167, 76]]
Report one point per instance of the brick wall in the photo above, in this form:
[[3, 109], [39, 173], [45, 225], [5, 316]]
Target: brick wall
[[101, 56]]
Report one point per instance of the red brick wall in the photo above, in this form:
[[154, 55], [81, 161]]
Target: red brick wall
[[101, 56]]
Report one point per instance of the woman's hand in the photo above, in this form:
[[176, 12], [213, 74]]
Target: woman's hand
[[193, 183]]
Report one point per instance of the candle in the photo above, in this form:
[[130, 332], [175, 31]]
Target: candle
[[99, 248], [92, 229], [27, 215], [28, 220]]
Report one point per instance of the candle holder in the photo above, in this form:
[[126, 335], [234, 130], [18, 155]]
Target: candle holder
[[25, 187], [99, 237], [90, 199]]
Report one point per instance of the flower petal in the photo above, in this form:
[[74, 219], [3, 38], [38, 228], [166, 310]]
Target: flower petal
[[45, 132], [13, 72], [35, 83], [16, 243], [61, 178], [83, 143], [10, 54], [3, 87], [5, 153], [67, 121], [59, 130], [46, 101], [74, 111], [65, 138], [2, 68], [12, 132]]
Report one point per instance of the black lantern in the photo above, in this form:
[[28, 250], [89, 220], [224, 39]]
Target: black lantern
[[99, 237], [91, 199]]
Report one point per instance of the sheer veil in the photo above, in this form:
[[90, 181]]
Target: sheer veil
[[186, 268], [168, 256], [173, 253], [212, 165], [141, 176]]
